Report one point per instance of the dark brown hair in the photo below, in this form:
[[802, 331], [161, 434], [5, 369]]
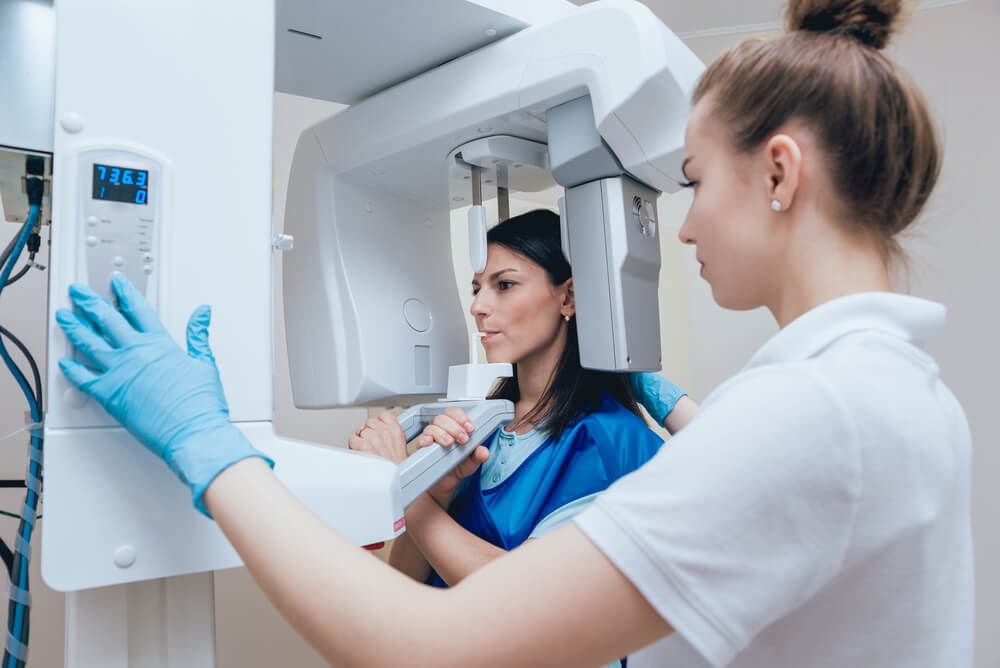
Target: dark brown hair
[[572, 391], [881, 146]]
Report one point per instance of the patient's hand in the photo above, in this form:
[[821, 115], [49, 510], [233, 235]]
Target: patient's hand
[[447, 429], [381, 436]]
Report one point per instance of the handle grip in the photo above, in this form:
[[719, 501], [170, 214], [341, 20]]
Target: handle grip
[[425, 467]]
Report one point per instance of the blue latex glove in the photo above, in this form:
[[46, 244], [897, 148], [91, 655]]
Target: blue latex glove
[[171, 402], [656, 394]]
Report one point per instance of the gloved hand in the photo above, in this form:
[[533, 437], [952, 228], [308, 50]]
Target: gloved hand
[[657, 394], [171, 402]]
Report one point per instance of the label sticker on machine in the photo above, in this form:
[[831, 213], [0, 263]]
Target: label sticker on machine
[[120, 184]]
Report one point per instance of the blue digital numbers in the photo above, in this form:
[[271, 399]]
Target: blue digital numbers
[[120, 184]]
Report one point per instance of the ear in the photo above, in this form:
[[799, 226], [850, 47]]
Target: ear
[[569, 300], [783, 167]]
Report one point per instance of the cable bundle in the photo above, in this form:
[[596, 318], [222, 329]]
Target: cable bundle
[[19, 609]]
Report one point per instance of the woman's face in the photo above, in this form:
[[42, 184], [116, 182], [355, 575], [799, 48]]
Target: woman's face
[[517, 307], [730, 220]]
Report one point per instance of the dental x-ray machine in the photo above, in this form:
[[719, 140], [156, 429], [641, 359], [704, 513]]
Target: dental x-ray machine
[[160, 120]]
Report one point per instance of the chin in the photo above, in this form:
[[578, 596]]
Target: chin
[[497, 357], [733, 301]]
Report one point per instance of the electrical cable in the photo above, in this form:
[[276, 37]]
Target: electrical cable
[[18, 276], [36, 376], [13, 242], [8, 558], [19, 608]]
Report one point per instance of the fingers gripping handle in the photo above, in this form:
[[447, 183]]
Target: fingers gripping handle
[[421, 470]]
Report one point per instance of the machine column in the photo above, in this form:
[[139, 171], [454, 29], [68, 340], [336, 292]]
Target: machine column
[[163, 623]]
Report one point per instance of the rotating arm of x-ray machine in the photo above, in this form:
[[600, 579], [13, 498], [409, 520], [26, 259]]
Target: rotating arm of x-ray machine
[[598, 99]]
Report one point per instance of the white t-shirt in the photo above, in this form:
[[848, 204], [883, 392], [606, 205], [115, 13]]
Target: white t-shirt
[[816, 511]]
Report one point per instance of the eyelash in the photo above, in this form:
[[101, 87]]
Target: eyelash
[[501, 284], [688, 184]]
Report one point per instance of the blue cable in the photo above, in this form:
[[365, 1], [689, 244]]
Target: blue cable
[[21, 241], [21, 608]]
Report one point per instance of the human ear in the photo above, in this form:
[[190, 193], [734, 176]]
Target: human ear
[[783, 168], [569, 301]]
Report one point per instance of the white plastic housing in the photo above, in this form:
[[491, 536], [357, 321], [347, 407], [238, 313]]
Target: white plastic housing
[[146, 511], [369, 194]]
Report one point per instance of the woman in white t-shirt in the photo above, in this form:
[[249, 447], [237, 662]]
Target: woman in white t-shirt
[[814, 513]]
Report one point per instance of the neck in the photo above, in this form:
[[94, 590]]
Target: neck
[[534, 373], [831, 264]]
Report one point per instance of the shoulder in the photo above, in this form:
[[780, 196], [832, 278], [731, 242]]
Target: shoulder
[[611, 418], [622, 438], [793, 392]]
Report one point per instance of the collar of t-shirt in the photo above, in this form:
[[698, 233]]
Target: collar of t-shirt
[[508, 451], [908, 318]]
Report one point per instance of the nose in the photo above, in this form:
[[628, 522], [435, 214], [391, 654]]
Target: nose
[[686, 233], [480, 304]]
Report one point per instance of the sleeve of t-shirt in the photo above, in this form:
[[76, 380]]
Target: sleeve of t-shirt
[[745, 516], [562, 515]]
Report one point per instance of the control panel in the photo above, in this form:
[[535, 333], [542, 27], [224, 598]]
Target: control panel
[[119, 197]]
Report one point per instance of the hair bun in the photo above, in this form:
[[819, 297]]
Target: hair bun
[[869, 22]]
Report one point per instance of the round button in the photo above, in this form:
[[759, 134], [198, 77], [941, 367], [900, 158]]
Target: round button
[[118, 262], [417, 316], [124, 556], [91, 241], [93, 221], [71, 122], [147, 269], [148, 257]]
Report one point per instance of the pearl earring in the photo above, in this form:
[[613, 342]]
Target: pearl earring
[[776, 205], [566, 317]]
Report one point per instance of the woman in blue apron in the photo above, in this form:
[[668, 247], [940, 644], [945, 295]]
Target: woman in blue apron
[[575, 431]]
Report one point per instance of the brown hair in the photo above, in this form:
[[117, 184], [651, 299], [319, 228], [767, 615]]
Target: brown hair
[[881, 145]]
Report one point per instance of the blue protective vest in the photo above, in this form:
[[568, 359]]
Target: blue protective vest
[[589, 455]]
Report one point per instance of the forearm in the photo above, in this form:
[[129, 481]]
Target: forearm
[[357, 611], [452, 551], [339, 597], [406, 558]]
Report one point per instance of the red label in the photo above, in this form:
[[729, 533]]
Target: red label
[[399, 524]]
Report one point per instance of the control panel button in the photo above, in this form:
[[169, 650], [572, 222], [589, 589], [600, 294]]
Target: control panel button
[[147, 258], [91, 240], [118, 262], [148, 269], [92, 221]]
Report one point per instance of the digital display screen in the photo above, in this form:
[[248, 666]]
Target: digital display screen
[[119, 184]]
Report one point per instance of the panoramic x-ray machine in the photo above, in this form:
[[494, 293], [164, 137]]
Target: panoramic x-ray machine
[[159, 119]]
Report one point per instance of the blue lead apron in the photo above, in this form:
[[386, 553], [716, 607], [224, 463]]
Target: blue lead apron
[[584, 459]]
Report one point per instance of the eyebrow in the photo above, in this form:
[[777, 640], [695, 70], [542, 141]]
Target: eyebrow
[[496, 274], [684, 167]]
